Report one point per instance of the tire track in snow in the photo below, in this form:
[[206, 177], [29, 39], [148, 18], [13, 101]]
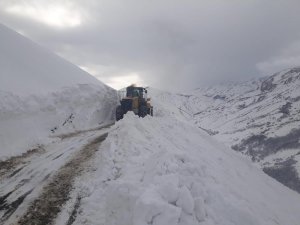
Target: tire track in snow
[[46, 207], [74, 213], [76, 133], [24, 176], [9, 167]]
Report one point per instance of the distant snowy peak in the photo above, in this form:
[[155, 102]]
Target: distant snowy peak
[[285, 77], [27, 68], [282, 79]]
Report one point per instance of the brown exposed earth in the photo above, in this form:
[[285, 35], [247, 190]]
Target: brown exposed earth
[[46, 207]]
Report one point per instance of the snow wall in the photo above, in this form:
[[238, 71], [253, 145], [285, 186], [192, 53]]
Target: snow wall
[[42, 94]]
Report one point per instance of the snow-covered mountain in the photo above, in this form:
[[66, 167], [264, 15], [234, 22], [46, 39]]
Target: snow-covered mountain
[[43, 94], [260, 118]]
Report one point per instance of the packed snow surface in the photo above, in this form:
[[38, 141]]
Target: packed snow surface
[[163, 170], [41, 94]]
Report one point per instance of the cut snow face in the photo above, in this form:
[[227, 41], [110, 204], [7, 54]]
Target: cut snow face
[[26, 122], [162, 170], [41, 94]]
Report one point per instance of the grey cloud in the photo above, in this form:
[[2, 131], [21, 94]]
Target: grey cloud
[[175, 44], [288, 57]]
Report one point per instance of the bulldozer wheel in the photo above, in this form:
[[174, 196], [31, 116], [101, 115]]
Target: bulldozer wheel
[[150, 111], [119, 113], [143, 111]]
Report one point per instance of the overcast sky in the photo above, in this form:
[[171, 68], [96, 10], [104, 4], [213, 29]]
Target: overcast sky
[[171, 44]]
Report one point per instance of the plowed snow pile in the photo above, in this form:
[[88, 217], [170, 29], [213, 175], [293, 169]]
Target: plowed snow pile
[[163, 170], [41, 94]]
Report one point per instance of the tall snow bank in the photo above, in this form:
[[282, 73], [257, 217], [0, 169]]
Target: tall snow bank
[[161, 170], [41, 94], [27, 68]]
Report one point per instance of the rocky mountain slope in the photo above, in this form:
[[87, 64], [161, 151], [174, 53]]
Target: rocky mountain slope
[[259, 118]]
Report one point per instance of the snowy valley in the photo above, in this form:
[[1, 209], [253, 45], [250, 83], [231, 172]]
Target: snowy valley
[[64, 160]]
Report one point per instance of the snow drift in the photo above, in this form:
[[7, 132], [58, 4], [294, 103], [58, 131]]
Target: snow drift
[[41, 94], [164, 170]]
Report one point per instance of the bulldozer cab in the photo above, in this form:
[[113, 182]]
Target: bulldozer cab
[[135, 92]]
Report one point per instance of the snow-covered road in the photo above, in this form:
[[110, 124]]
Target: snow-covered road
[[36, 184]]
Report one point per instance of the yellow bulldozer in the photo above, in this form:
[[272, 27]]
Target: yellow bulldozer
[[136, 100]]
